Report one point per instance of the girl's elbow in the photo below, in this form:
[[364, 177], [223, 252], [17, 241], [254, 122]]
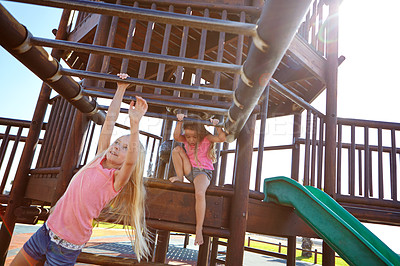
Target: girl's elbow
[[222, 137]]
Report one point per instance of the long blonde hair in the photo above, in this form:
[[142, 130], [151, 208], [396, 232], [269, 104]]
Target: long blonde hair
[[129, 206]]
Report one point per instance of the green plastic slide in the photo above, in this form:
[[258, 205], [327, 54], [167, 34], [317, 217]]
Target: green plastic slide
[[342, 231]]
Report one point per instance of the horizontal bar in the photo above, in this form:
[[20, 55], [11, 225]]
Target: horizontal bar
[[199, 5], [145, 82], [368, 201], [278, 87], [137, 55], [210, 110], [368, 123], [186, 228], [357, 146], [267, 148], [47, 170], [21, 139], [167, 117], [17, 122], [157, 16], [169, 98]]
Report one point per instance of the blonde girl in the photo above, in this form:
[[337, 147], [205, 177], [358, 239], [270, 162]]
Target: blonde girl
[[114, 178], [195, 162]]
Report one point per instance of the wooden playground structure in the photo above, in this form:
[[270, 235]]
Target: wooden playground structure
[[240, 60]]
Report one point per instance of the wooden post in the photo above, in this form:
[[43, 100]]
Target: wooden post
[[240, 199], [296, 149], [263, 119], [204, 251], [153, 238], [21, 176], [100, 38], [214, 251], [331, 99], [186, 241], [291, 251], [162, 246], [315, 256], [328, 257]]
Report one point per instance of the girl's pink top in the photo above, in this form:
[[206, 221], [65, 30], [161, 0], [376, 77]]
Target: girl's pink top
[[87, 194], [203, 161]]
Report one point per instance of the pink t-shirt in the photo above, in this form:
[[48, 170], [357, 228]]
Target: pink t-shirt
[[203, 161], [87, 194]]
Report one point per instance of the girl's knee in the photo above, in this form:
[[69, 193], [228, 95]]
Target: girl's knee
[[200, 193], [177, 149]]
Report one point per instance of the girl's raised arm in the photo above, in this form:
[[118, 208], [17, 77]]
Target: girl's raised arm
[[121, 176], [178, 129], [112, 115]]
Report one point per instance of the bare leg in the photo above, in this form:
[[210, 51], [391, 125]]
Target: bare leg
[[201, 184], [22, 258], [181, 164]]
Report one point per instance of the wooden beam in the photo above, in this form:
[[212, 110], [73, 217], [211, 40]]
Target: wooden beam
[[97, 259], [82, 30], [272, 219], [306, 55]]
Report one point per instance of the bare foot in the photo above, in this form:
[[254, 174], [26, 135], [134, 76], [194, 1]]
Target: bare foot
[[199, 238], [176, 178]]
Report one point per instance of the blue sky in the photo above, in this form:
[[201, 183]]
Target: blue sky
[[368, 78]]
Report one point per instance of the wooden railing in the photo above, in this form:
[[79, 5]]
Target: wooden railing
[[366, 165], [368, 159], [313, 29], [13, 136]]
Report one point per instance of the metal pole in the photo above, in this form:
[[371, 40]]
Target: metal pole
[[137, 55], [15, 39], [266, 51]]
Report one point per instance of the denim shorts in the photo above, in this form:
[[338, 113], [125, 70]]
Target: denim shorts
[[197, 171], [41, 248]]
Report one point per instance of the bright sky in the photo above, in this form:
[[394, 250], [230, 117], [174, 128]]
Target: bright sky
[[368, 86]]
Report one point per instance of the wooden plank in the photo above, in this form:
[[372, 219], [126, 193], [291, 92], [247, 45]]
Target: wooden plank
[[314, 148], [306, 180], [339, 161], [308, 57], [83, 29], [374, 215], [272, 219], [320, 153], [164, 51], [380, 164], [40, 188], [146, 49], [179, 206], [393, 166], [97, 259]]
